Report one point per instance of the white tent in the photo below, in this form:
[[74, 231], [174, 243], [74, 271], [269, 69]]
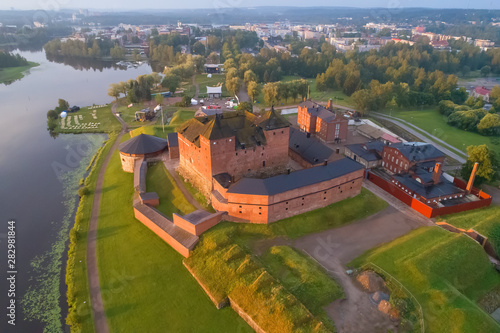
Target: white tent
[[214, 92]]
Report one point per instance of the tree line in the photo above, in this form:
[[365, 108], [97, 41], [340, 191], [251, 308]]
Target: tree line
[[90, 48], [12, 60], [471, 116]]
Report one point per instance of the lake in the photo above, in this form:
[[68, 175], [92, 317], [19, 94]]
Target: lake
[[37, 177]]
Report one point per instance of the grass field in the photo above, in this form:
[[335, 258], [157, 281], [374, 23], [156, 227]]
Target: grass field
[[144, 286], [181, 115], [304, 278], [11, 74], [197, 195], [171, 199], [431, 121], [447, 273], [89, 119]]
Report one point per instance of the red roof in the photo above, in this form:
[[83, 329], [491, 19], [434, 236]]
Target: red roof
[[389, 138], [482, 91]]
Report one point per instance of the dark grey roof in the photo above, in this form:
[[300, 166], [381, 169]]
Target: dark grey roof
[[367, 155], [224, 179], [173, 139], [143, 144], [443, 188], [418, 151], [308, 148], [294, 180]]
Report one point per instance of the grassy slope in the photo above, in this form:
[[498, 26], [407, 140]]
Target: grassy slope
[[218, 242], [144, 286], [11, 74], [304, 278], [446, 272], [181, 116], [433, 122], [171, 198]]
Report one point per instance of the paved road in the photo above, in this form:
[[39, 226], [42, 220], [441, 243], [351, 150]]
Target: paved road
[[100, 323], [429, 138]]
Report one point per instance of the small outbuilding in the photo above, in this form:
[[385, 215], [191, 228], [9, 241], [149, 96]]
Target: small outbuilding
[[143, 146], [214, 92]]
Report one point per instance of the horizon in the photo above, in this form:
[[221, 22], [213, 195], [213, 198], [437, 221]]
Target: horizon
[[128, 5]]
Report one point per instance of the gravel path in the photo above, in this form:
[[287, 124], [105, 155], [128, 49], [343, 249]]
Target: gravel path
[[100, 323]]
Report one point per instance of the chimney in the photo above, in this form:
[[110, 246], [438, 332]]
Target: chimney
[[436, 175], [325, 162], [308, 135], [330, 105], [288, 171], [472, 177]]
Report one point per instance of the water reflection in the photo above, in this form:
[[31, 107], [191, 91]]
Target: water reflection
[[85, 63]]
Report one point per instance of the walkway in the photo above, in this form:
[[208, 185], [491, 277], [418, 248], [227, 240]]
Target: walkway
[[100, 323], [197, 86], [429, 138]]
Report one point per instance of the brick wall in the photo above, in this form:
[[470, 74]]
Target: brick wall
[[267, 209], [161, 233], [200, 227]]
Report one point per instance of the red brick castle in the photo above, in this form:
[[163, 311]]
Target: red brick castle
[[222, 154]]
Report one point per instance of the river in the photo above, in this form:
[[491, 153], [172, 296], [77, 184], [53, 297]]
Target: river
[[37, 182]]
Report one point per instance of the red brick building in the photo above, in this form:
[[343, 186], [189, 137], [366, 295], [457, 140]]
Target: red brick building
[[401, 157], [236, 143], [219, 153], [327, 125], [275, 198]]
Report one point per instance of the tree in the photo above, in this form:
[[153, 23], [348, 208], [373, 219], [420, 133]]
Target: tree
[[485, 70], [245, 106], [186, 101], [117, 52], [136, 56], [249, 76], [270, 93], [233, 85], [213, 58], [488, 164], [199, 48], [171, 82], [253, 90], [114, 90], [489, 125], [159, 99], [495, 93], [465, 70]]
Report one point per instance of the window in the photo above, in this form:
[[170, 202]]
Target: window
[[240, 206], [240, 211], [260, 213], [324, 198], [286, 208], [302, 204], [260, 207], [236, 154], [397, 160], [287, 202], [325, 192], [263, 163]]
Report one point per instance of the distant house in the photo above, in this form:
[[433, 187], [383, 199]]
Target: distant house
[[481, 92], [214, 92], [213, 68]]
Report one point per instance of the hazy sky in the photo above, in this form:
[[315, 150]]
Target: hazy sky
[[120, 5]]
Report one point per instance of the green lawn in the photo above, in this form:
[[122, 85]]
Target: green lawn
[[333, 216], [171, 199], [431, 121], [197, 195], [144, 286], [181, 115], [446, 272], [87, 121], [304, 278], [226, 250], [11, 74]]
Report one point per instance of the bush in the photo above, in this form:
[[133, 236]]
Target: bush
[[185, 102], [52, 114], [83, 191]]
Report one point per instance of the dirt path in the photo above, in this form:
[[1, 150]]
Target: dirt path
[[334, 248], [171, 165], [100, 323], [197, 86]]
